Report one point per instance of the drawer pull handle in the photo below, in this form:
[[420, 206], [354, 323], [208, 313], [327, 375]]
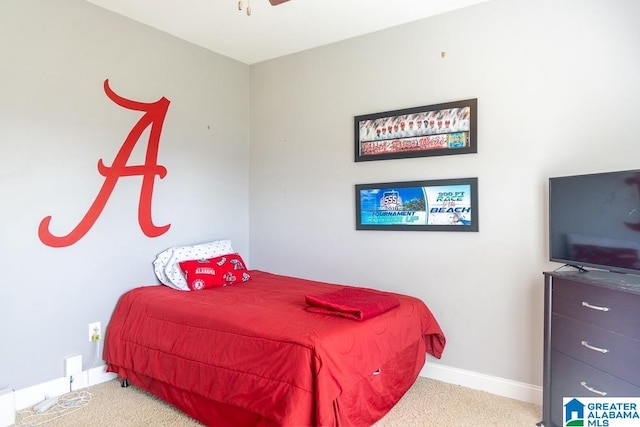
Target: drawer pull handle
[[594, 307], [594, 348], [593, 390]]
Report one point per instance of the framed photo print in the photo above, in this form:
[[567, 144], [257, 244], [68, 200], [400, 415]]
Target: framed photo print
[[434, 205], [432, 130]]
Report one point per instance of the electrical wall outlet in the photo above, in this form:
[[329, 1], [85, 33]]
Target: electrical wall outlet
[[95, 331]]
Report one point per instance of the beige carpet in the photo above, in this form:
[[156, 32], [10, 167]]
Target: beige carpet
[[427, 403]]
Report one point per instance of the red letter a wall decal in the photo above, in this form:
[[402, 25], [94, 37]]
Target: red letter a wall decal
[[154, 114]]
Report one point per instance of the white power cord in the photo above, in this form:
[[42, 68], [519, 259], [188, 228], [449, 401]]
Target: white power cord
[[42, 414], [96, 354], [70, 402]]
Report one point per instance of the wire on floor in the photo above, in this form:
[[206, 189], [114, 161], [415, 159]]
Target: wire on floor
[[67, 404]]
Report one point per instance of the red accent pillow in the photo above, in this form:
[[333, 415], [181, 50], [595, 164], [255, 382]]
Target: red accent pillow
[[214, 272]]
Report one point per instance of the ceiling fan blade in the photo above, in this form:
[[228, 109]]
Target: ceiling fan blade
[[276, 2]]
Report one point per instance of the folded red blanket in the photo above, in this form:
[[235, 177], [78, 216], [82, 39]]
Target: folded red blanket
[[352, 303]]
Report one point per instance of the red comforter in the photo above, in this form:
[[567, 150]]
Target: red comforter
[[254, 347]]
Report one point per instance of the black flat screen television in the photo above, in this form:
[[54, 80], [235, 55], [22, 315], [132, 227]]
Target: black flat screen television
[[594, 221]]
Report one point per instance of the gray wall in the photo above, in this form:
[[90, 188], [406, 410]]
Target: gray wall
[[556, 84], [56, 123], [557, 88]]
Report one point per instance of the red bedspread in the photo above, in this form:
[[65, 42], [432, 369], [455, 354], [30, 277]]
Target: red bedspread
[[253, 346]]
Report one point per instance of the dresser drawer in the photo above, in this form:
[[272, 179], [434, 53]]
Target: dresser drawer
[[569, 375], [607, 308], [602, 349]]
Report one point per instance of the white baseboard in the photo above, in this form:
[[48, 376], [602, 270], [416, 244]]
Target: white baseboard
[[495, 385], [29, 396], [7, 407]]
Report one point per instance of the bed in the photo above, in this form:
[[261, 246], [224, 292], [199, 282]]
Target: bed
[[253, 354]]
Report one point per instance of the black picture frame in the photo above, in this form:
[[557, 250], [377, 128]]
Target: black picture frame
[[427, 205], [451, 129]]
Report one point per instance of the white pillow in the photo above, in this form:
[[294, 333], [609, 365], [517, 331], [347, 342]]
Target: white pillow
[[167, 267], [159, 263]]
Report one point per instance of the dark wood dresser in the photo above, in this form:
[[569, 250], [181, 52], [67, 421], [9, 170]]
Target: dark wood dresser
[[591, 338]]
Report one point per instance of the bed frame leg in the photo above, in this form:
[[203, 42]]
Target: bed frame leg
[[125, 383]]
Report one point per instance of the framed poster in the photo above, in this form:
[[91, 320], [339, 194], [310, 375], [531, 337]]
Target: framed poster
[[432, 130], [434, 205]]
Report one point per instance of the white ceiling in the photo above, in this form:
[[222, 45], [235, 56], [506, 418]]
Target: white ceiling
[[274, 31]]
